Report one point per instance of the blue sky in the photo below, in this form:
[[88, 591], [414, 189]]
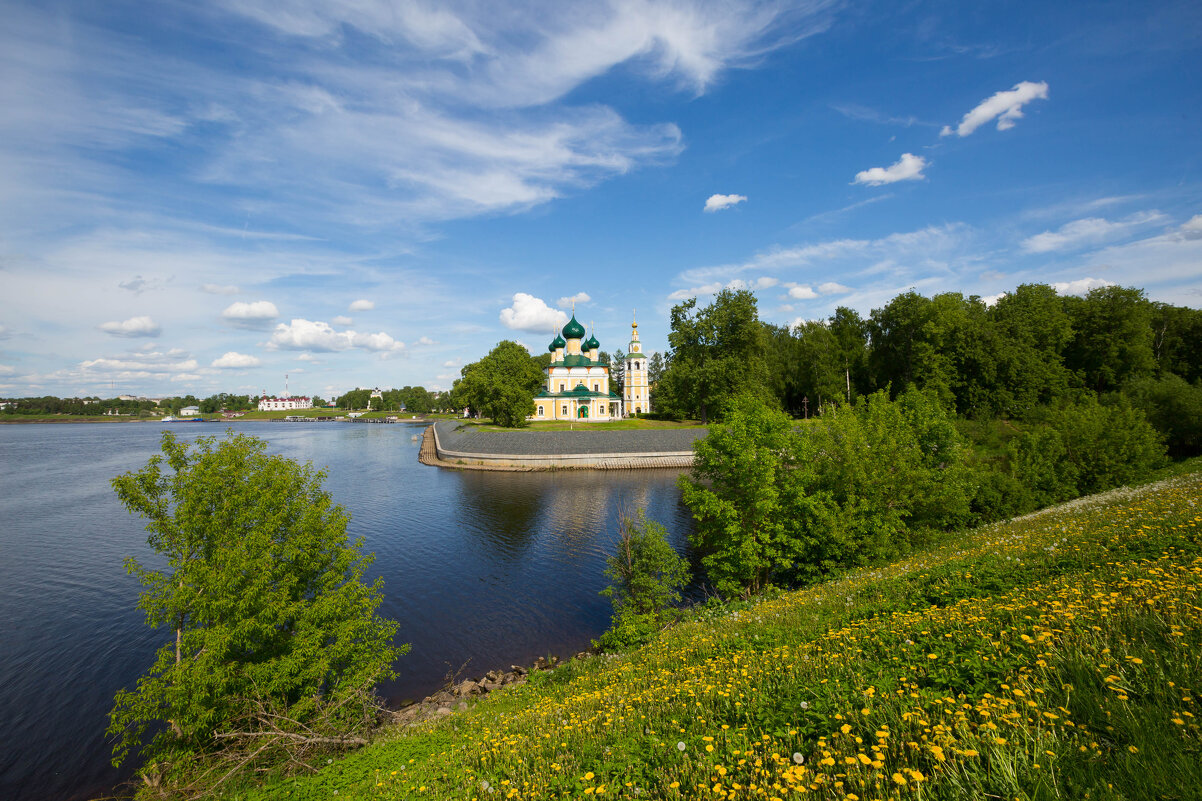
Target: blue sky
[[204, 197]]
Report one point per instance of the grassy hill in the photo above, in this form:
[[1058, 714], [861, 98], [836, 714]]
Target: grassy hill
[[1053, 656]]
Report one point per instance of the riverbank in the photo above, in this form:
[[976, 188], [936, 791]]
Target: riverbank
[[1056, 654], [453, 445]]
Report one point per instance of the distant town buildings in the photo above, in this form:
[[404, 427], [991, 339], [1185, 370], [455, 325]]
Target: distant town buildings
[[267, 404], [189, 411]]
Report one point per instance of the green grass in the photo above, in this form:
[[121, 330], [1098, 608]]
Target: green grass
[[1052, 656]]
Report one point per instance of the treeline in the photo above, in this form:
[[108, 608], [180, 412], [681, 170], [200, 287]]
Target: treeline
[[931, 415], [48, 404], [1031, 350], [95, 406], [410, 399]]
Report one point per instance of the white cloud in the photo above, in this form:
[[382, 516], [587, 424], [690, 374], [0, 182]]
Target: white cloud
[[141, 326], [763, 282], [802, 292], [1089, 231], [531, 314], [1005, 107], [450, 363], [233, 359], [426, 341], [303, 334], [991, 300], [219, 289], [1192, 228], [308, 357], [579, 297], [7, 369], [258, 314], [719, 202], [1081, 286], [361, 305], [832, 288], [342, 319], [908, 168]]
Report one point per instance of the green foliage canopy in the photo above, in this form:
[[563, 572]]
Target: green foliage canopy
[[718, 353], [263, 594], [501, 385]]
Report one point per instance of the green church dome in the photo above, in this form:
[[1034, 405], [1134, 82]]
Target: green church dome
[[573, 330], [556, 343], [591, 343]]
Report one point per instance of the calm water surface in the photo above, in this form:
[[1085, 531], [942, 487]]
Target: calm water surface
[[491, 569]]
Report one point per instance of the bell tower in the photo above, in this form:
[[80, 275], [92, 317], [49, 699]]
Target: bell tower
[[635, 393]]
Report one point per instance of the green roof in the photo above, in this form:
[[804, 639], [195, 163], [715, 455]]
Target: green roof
[[556, 343], [572, 360], [573, 330], [591, 343]]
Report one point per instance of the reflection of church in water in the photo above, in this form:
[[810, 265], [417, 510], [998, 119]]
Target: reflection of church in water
[[578, 382]]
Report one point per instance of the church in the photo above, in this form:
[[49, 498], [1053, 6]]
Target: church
[[578, 385]]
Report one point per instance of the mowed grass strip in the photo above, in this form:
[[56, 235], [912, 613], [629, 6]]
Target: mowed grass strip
[[1052, 656]]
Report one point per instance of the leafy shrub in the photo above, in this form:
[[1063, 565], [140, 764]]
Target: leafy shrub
[[628, 630], [1174, 408], [1108, 445], [647, 575]]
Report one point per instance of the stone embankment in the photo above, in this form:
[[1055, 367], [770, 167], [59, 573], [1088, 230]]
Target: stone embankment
[[455, 696], [450, 444]]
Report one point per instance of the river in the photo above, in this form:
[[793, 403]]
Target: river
[[488, 569]]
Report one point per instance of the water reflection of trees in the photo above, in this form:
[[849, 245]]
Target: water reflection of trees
[[577, 510], [501, 511]]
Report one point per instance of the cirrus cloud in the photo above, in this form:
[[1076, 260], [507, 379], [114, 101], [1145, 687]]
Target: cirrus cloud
[[1089, 231]]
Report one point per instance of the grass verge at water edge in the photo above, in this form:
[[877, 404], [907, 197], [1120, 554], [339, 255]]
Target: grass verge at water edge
[[1057, 655]]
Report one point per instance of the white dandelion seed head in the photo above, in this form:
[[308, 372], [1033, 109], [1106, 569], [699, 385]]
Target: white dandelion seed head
[[680, 746], [798, 758]]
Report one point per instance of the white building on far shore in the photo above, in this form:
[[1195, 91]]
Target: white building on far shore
[[267, 404]]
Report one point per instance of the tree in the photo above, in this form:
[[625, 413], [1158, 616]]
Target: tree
[[617, 372], [746, 494], [646, 572], [502, 384], [647, 575], [1112, 337], [655, 368], [1032, 329], [718, 353], [275, 638]]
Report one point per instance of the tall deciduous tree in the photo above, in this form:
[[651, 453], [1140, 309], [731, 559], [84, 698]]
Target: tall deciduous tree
[[274, 634], [746, 494], [502, 384], [1112, 337], [718, 353]]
